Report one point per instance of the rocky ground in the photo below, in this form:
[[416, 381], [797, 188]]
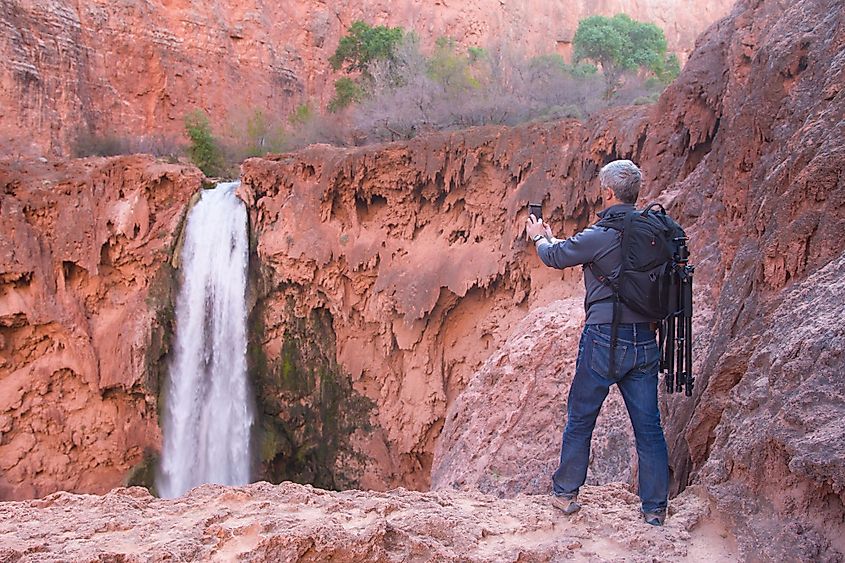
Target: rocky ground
[[289, 522]]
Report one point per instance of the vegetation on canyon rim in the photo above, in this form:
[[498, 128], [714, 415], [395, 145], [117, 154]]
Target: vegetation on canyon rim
[[392, 89]]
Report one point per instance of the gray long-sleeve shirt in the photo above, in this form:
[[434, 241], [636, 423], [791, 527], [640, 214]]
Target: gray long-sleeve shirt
[[602, 246]]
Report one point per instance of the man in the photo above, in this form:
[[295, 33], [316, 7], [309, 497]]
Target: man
[[636, 354]]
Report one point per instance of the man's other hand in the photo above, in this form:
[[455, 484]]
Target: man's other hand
[[535, 227]]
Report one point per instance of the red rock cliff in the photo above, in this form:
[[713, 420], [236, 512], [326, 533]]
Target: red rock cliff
[[415, 250], [84, 316], [748, 145], [134, 69]]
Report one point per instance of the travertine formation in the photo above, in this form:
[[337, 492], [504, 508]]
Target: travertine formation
[[134, 69], [416, 253], [85, 318], [522, 391], [749, 159]]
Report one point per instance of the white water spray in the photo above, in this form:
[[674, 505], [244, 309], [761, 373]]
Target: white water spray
[[208, 413]]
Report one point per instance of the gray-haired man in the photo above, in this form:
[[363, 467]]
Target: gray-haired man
[[636, 357]]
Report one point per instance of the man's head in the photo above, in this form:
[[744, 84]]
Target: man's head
[[622, 178]]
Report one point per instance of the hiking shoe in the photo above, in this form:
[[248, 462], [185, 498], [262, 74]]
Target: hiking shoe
[[654, 518], [568, 505]]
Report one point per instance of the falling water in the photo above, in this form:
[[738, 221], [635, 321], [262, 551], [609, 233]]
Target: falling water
[[207, 409]]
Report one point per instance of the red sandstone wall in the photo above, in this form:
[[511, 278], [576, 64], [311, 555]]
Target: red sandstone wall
[[134, 69], [745, 148], [84, 316]]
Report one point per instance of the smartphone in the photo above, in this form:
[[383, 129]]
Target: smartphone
[[536, 210]]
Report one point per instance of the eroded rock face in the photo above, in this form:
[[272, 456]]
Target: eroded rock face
[[416, 251], [263, 522], [85, 315], [745, 148], [134, 69], [412, 254], [748, 146]]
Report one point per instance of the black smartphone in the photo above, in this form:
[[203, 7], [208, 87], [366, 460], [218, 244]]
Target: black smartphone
[[536, 210]]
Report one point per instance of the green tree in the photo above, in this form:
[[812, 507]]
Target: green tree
[[204, 149], [476, 54], [301, 115], [364, 44], [619, 44], [553, 63], [669, 70], [346, 91]]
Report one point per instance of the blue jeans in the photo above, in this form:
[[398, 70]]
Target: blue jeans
[[636, 375]]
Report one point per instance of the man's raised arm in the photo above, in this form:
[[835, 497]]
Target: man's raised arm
[[579, 249]]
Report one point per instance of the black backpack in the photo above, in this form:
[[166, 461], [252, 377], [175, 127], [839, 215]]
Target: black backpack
[[654, 280]]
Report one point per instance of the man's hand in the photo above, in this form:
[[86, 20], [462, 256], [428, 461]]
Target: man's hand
[[535, 227]]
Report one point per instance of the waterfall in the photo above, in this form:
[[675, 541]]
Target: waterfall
[[207, 411]]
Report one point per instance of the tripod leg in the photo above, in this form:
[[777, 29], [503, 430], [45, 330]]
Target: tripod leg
[[669, 353], [688, 320], [680, 344]]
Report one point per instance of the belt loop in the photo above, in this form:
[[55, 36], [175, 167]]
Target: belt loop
[[635, 333]]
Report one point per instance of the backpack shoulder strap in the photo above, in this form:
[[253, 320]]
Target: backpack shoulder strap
[[626, 239]]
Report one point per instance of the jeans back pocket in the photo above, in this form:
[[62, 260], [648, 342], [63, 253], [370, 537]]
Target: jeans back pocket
[[600, 358]]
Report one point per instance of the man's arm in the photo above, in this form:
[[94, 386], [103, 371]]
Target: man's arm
[[579, 249]]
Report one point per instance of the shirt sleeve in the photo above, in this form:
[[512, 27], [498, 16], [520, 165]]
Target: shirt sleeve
[[579, 249]]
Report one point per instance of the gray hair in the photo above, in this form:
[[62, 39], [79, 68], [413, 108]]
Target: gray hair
[[624, 178]]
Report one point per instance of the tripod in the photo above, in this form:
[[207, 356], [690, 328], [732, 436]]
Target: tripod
[[676, 329]]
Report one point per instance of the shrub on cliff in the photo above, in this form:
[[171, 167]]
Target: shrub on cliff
[[454, 88], [346, 92], [364, 44], [262, 135], [620, 44], [358, 49], [455, 71], [93, 144], [204, 149], [397, 90]]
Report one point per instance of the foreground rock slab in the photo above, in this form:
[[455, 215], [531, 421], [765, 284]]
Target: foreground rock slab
[[290, 522]]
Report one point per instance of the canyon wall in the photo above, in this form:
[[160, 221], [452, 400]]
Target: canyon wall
[[414, 256], [748, 147], [134, 69], [85, 319], [746, 150]]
